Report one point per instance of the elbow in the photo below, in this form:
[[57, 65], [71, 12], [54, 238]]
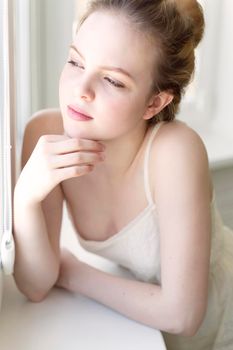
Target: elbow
[[185, 322], [185, 329], [189, 324], [36, 290], [33, 293], [36, 297], [188, 330]]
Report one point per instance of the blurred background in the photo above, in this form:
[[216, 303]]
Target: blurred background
[[40, 33]]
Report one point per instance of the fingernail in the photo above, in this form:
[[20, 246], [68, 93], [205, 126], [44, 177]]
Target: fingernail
[[102, 156]]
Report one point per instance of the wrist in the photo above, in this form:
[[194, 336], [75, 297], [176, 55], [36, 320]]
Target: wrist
[[70, 272], [22, 198]]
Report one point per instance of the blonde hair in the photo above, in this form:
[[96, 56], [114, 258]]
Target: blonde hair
[[177, 27]]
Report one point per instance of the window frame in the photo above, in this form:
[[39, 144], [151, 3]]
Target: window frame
[[7, 133]]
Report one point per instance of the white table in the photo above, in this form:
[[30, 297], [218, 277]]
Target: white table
[[65, 321]]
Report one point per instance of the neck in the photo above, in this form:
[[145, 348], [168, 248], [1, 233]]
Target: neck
[[121, 155]]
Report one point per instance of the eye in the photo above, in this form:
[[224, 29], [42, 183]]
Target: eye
[[114, 83], [111, 81], [75, 64]]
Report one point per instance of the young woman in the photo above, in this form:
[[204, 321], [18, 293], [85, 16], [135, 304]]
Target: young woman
[[136, 181]]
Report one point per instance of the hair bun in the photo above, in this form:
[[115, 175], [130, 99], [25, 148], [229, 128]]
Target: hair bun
[[194, 12]]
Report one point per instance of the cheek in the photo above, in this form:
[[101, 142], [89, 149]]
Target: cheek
[[129, 106], [122, 112], [115, 107]]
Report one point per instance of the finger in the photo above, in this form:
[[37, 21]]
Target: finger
[[75, 158], [74, 145], [73, 171]]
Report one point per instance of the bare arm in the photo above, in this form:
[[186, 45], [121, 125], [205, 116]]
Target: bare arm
[[182, 198], [37, 262], [37, 252], [38, 199], [142, 302], [183, 195]]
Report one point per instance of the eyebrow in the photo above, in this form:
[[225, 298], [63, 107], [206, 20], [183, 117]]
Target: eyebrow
[[115, 69]]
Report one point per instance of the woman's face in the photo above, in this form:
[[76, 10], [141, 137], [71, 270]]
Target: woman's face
[[109, 78]]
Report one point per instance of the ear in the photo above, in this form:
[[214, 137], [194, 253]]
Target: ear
[[157, 103]]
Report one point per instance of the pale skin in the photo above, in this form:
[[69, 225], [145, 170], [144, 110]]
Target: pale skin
[[56, 157]]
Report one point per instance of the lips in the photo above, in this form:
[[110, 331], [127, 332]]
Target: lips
[[79, 110], [76, 115]]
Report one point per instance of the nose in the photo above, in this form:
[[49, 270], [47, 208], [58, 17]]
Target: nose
[[84, 91]]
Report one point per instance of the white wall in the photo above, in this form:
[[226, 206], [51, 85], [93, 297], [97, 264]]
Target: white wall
[[51, 23], [224, 75]]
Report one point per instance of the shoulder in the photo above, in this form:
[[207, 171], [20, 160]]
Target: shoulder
[[47, 120], [179, 134], [178, 154], [175, 142]]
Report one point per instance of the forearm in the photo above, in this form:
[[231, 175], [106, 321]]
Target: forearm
[[142, 302], [36, 265]]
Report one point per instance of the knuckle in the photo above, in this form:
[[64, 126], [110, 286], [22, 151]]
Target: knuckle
[[90, 166], [75, 171], [79, 157], [99, 156]]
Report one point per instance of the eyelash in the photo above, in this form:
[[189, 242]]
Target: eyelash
[[112, 82]]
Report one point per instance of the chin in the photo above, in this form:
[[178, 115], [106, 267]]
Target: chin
[[76, 132]]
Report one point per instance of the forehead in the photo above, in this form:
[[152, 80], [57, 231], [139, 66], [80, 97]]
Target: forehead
[[110, 39]]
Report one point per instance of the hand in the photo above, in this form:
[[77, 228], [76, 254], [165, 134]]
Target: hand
[[68, 263], [55, 159]]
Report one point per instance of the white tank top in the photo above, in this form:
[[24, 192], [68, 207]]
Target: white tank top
[[137, 245], [137, 248]]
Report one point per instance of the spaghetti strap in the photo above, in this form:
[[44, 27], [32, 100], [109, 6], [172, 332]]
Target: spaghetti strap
[[146, 163]]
